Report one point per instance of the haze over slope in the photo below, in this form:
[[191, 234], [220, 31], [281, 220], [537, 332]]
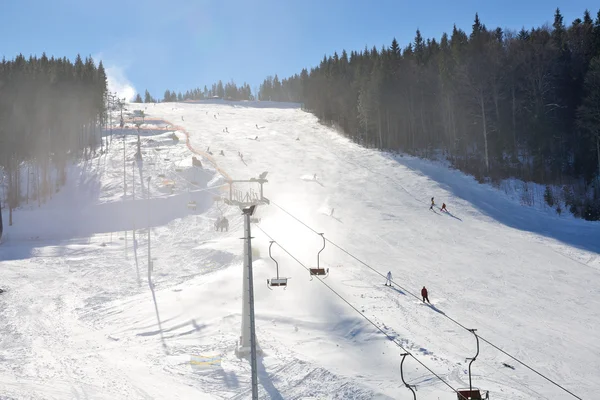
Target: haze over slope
[[527, 281]]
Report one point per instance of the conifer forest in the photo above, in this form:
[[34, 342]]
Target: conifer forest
[[495, 104], [51, 112]]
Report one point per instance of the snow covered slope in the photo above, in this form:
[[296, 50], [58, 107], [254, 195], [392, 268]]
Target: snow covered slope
[[79, 321]]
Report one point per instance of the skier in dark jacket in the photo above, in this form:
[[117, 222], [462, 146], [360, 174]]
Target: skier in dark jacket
[[424, 294], [432, 204], [444, 207]]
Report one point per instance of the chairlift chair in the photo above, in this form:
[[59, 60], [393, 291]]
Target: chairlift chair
[[319, 271], [276, 282], [472, 393]]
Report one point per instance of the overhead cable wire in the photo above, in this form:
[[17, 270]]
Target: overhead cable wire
[[418, 298], [392, 339]]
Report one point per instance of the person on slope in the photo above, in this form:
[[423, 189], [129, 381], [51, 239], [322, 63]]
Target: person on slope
[[424, 295], [432, 204], [444, 209], [388, 279]]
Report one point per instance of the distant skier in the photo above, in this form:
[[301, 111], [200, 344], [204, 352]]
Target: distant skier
[[332, 210], [222, 153], [314, 177], [257, 126], [388, 279], [424, 294], [444, 209], [215, 116], [182, 117], [298, 138], [432, 204]]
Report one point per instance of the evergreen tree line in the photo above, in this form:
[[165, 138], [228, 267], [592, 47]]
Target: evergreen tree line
[[51, 110], [229, 91], [496, 104]]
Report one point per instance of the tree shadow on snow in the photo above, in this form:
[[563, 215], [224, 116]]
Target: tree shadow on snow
[[578, 233]]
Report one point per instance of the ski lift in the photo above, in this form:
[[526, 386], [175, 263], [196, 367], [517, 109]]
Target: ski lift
[[403, 381], [472, 393], [319, 271], [276, 282]]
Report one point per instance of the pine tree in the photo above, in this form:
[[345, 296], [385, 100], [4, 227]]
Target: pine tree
[[589, 111]]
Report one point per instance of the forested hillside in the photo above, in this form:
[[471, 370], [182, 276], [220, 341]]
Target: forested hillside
[[51, 110], [496, 104]]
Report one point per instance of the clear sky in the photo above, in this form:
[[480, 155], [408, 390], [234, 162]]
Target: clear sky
[[182, 44]]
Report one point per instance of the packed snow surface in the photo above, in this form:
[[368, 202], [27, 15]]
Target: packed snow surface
[[78, 319]]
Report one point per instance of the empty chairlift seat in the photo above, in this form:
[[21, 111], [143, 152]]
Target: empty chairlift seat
[[319, 271], [277, 281], [474, 394]]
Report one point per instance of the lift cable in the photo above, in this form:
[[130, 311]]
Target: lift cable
[[363, 315], [418, 298]]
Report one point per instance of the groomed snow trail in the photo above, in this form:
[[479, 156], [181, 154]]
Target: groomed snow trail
[[76, 323]]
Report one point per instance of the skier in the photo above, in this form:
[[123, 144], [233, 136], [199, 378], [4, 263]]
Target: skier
[[432, 204], [388, 279], [332, 210], [256, 126], [424, 294], [444, 207], [222, 153], [182, 117], [314, 177]]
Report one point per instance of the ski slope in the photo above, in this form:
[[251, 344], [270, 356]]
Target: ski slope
[[78, 319]]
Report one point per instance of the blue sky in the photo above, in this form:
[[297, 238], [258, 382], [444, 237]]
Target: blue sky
[[181, 44]]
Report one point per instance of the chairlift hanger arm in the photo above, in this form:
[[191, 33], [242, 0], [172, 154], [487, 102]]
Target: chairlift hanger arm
[[473, 359], [275, 261], [402, 376], [319, 253]]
